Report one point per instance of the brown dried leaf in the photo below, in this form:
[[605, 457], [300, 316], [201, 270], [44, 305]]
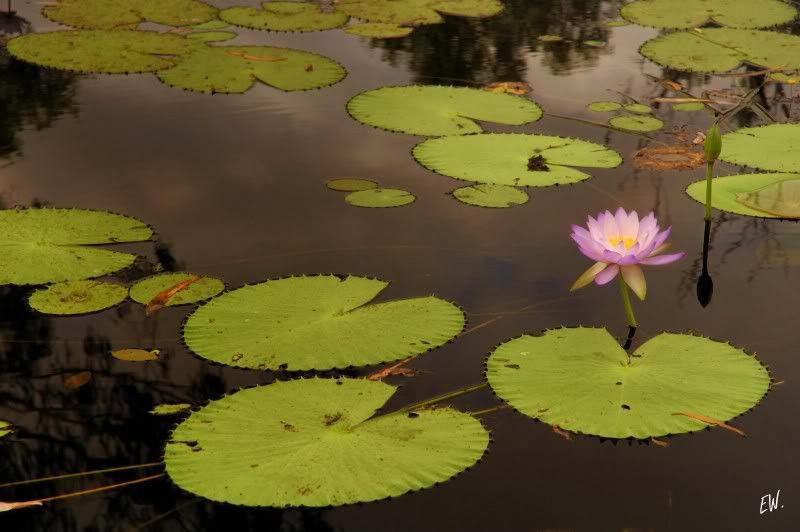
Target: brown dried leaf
[[711, 421], [562, 433], [669, 157], [519, 88], [8, 506], [660, 443], [74, 382], [161, 298], [136, 355]]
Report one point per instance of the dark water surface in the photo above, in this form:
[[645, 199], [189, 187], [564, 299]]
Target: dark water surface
[[235, 188]]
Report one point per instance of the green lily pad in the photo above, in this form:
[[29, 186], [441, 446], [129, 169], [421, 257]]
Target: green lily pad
[[604, 107], [432, 110], [351, 184], [52, 245], [686, 14], [638, 108], [637, 123], [782, 77], [579, 380], [6, 428], [417, 12], [211, 25], [234, 69], [170, 409], [211, 36], [378, 30], [318, 322], [689, 107], [723, 49], [514, 159], [595, 44], [144, 290], [77, 297], [311, 443], [616, 23], [105, 14], [778, 199], [775, 147], [550, 38], [488, 195], [726, 191], [284, 16], [103, 51], [380, 198]]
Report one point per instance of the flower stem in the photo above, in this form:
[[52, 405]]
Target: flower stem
[[709, 176], [626, 301]]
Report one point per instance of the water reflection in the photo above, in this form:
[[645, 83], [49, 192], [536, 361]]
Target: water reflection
[[705, 284]]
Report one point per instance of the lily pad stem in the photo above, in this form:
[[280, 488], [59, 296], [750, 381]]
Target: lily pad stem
[[709, 177], [626, 301]]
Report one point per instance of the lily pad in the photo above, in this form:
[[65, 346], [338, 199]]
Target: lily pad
[[514, 159], [211, 36], [318, 322], [689, 107], [211, 25], [604, 107], [77, 297], [105, 14], [686, 14], [488, 195], [52, 245], [284, 16], [550, 38], [312, 443], [616, 23], [595, 44], [234, 69], [580, 380], [726, 191], [6, 428], [170, 409], [432, 110], [782, 77], [378, 30], [351, 184], [637, 123], [638, 108], [136, 355], [380, 198], [144, 290], [778, 199], [417, 12], [775, 147]]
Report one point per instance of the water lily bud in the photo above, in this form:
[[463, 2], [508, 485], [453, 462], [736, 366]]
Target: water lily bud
[[713, 143]]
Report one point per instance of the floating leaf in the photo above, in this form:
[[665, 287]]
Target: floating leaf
[[105, 14], [518, 88], [616, 23], [50, 245], [170, 409], [488, 195], [637, 123], [380, 198], [775, 147], [77, 297], [175, 288], [378, 30], [785, 78], [318, 322], [638, 108], [604, 107], [284, 16], [726, 191], [778, 199], [417, 12], [689, 107], [136, 355], [211, 36], [73, 382], [595, 44], [6, 428], [211, 25], [432, 110], [507, 158], [550, 38], [688, 14], [311, 443], [351, 184], [669, 157], [580, 380], [8, 506]]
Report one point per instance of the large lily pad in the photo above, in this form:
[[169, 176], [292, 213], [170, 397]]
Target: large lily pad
[[492, 196], [775, 147], [432, 110], [514, 159], [311, 443], [417, 12], [317, 322], [686, 14], [77, 297], [106, 14], [144, 290], [51, 245], [580, 380], [727, 191], [284, 16], [778, 199]]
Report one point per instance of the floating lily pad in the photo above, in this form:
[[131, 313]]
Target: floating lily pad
[[694, 13], [595, 44], [211, 25], [311, 443], [775, 147], [488, 195], [637, 123], [378, 30], [144, 290], [616, 23], [550, 38], [52, 245], [136, 355], [105, 14], [580, 380], [211, 36], [638, 108], [170, 409], [726, 190], [317, 322], [6, 428], [104, 51], [234, 69], [778, 199], [604, 107], [351, 184], [432, 110], [417, 12], [782, 77], [284, 16], [514, 159], [689, 107], [77, 297], [380, 198], [723, 49]]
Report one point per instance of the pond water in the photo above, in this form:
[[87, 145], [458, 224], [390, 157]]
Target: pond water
[[234, 186]]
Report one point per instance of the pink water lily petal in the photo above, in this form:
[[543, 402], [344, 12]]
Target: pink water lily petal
[[588, 276], [660, 249], [660, 260], [607, 275], [634, 277]]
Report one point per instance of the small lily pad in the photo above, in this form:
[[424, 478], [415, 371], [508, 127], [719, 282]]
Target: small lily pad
[[727, 190], [488, 195], [170, 409], [604, 107], [637, 123], [380, 198], [595, 44], [284, 16], [378, 30], [111, 15], [689, 107], [351, 184], [417, 12], [136, 355], [6, 428], [638, 108], [550, 38], [775, 147], [211, 36], [686, 14], [77, 297], [144, 290]]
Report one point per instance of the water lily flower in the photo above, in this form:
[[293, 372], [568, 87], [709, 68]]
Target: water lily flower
[[620, 242]]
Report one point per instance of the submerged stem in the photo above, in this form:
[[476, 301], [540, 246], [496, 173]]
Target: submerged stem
[[709, 177], [101, 488], [626, 301], [82, 474]]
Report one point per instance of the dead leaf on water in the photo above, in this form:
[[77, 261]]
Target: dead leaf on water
[[711, 421], [8, 506], [669, 157], [161, 298], [136, 355], [518, 88], [564, 434], [77, 380]]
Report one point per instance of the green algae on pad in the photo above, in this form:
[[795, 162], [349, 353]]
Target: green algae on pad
[[378, 30], [775, 147], [686, 14], [604, 107], [636, 123], [723, 49], [317, 322], [52, 245], [728, 190], [350, 184], [170, 409], [638, 108], [211, 36], [493, 196], [579, 379], [433, 110], [77, 297], [417, 12], [6, 428], [106, 14], [514, 159], [283, 16], [144, 290], [380, 198], [314, 442]]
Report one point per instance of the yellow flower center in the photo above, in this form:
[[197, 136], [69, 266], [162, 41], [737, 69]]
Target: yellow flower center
[[627, 241]]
